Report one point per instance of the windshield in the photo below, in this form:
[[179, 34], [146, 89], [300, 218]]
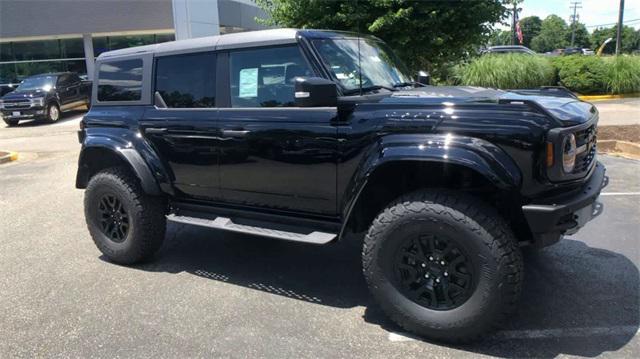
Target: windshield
[[37, 83], [380, 67]]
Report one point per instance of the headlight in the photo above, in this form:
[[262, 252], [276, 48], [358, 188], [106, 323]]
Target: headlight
[[37, 101], [569, 153], [1, 104]]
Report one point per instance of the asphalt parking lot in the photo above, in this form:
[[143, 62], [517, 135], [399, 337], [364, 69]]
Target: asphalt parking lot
[[211, 293]]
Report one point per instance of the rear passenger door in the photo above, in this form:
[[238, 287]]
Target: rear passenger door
[[185, 133], [274, 155]]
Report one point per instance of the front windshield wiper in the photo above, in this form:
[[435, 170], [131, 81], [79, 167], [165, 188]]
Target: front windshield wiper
[[406, 84], [369, 89]]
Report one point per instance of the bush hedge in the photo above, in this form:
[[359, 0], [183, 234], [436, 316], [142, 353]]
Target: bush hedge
[[507, 71], [581, 74]]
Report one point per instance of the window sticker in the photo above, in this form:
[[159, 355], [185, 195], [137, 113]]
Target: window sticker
[[248, 82]]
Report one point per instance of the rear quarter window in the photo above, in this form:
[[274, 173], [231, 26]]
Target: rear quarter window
[[120, 80]]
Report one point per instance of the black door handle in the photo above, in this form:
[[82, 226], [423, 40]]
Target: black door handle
[[235, 133], [155, 131]]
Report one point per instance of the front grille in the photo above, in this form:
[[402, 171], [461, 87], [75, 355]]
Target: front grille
[[17, 104], [586, 140]]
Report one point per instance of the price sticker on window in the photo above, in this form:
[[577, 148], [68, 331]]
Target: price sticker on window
[[248, 86]]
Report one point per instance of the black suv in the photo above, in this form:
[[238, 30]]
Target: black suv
[[45, 96], [319, 136]]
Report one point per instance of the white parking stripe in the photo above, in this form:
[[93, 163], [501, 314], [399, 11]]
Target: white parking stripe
[[620, 194], [623, 330]]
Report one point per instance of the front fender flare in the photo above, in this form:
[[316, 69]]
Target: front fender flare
[[479, 155]]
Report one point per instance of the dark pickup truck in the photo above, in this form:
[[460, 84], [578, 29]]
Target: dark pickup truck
[[319, 136], [45, 96]]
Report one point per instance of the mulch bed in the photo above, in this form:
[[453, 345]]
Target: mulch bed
[[629, 133]]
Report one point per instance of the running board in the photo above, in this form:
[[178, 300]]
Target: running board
[[227, 224]]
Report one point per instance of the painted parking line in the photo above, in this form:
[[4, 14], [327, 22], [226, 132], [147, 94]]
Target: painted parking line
[[620, 194], [622, 330]]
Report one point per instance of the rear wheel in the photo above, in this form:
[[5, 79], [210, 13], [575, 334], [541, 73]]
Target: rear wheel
[[443, 265], [53, 113], [126, 225]]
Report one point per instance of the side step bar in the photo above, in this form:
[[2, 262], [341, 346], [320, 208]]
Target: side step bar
[[227, 224]]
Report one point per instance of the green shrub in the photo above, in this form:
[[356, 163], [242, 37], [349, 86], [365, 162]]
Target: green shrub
[[582, 74], [623, 74], [507, 71]]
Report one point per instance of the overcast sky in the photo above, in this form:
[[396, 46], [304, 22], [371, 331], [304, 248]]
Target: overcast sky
[[593, 12]]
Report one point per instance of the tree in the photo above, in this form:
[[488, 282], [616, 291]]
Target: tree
[[500, 37], [630, 39], [582, 38], [553, 35], [530, 26], [423, 33]]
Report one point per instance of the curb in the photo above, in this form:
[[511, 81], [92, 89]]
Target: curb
[[8, 156], [620, 148], [607, 97]]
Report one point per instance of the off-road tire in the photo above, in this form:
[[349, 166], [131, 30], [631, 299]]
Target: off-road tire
[[11, 123], [147, 221], [478, 229]]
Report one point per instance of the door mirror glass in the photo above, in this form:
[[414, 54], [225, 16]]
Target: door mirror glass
[[424, 78], [315, 92]]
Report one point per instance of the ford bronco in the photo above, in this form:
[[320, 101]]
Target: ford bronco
[[319, 136]]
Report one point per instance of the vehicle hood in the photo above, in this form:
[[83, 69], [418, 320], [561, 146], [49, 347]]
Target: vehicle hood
[[18, 95], [559, 104]]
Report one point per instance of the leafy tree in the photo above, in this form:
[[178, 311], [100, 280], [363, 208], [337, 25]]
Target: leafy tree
[[423, 33], [500, 37], [630, 39], [531, 26], [553, 34], [582, 38]]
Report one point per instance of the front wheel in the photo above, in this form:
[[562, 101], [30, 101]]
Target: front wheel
[[52, 113], [126, 225], [443, 265]]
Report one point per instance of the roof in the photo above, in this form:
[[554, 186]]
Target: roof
[[234, 40], [51, 74], [228, 41]]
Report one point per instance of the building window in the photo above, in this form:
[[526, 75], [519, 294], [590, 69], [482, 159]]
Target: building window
[[120, 80], [187, 81]]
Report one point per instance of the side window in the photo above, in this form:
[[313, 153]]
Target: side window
[[63, 80], [187, 81], [265, 77], [120, 80], [73, 79]]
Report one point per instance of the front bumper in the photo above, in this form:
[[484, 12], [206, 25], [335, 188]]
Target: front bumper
[[22, 113], [550, 218]]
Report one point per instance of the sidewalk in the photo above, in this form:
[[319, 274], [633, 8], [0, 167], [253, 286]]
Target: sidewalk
[[619, 112]]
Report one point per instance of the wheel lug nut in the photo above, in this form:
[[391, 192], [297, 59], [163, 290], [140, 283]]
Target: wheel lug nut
[[446, 274], [426, 275], [442, 262], [423, 265], [437, 280], [430, 258]]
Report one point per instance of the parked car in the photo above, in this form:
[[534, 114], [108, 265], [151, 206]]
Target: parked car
[[572, 51], [509, 49], [7, 85], [318, 136], [45, 96]]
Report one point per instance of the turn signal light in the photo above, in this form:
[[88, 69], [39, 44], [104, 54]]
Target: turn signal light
[[549, 154]]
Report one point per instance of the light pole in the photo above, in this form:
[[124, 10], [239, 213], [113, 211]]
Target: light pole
[[619, 32]]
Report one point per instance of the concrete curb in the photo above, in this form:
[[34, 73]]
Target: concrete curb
[[6, 156], [607, 97], [620, 148]]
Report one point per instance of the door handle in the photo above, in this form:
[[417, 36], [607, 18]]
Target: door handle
[[235, 133], [155, 131]]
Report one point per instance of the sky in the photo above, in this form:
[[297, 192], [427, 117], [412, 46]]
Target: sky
[[593, 12]]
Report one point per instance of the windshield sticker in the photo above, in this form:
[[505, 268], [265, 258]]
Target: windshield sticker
[[248, 82]]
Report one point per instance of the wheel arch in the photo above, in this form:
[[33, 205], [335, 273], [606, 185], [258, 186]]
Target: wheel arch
[[94, 158], [399, 167]]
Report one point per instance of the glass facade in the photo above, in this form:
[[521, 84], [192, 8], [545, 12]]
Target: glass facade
[[21, 59]]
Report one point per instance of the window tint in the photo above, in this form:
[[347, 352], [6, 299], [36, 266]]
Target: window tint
[[120, 80], [63, 80], [265, 77], [187, 80]]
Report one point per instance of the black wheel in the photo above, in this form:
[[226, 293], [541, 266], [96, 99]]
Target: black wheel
[[11, 123], [126, 225], [443, 265], [53, 113]]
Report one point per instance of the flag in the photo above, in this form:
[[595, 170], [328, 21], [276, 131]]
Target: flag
[[519, 32]]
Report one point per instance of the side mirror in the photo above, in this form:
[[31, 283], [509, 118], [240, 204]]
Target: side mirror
[[315, 92], [424, 78]]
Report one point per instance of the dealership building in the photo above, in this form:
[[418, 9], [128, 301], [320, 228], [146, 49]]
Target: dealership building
[[66, 35]]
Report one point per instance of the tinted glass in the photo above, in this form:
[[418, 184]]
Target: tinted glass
[[120, 80], [265, 77], [187, 80]]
